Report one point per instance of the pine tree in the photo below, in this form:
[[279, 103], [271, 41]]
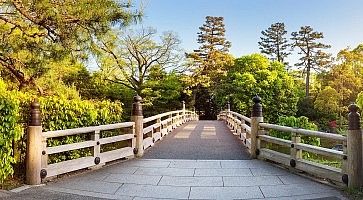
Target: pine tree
[[212, 57], [212, 35], [36, 33], [211, 61], [313, 57], [274, 43]]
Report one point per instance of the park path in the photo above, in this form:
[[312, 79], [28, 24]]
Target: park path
[[199, 140], [199, 160]]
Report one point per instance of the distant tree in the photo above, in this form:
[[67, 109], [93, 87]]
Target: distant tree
[[313, 58], [211, 63], [212, 58], [127, 58], [164, 91], [274, 43]]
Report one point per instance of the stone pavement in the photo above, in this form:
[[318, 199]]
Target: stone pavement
[[188, 179], [215, 176], [206, 140]]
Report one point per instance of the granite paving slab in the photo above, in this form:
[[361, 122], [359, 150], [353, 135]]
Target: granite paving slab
[[225, 193], [223, 172], [251, 181], [295, 189], [133, 178], [191, 181], [166, 171], [154, 191]]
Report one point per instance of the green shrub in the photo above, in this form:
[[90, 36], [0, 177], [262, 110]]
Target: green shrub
[[9, 130], [58, 113], [296, 122]]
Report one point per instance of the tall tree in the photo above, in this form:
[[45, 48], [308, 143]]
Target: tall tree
[[274, 42], [37, 32], [127, 58], [212, 58], [211, 63], [313, 57]]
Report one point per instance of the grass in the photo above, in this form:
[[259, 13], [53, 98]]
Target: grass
[[354, 194], [11, 183]]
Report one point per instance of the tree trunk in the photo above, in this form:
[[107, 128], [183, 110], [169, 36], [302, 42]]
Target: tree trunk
[[307, 82]]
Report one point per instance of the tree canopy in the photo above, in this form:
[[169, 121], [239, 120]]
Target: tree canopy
[[274, 42], [311, 50], [256, 75], [37, 33]]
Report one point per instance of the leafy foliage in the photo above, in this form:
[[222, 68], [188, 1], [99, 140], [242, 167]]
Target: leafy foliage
[[58, 113], [327, 102], [128, 59], [9, 130], [256, 75], [296, 122], [163, 91], [37, 33], [359, 100]]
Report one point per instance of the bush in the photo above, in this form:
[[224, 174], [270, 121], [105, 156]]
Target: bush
[[58, 113], [9, 130], [296, 122]]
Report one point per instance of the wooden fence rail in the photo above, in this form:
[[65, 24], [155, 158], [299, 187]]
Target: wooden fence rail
[[133, 136], [255, 135]]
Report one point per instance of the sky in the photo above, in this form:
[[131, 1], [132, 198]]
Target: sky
[[341, 21]]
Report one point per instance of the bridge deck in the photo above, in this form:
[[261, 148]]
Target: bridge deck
[[202, 140], [199, 172]]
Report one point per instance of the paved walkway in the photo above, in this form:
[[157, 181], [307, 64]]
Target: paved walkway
[[206, 140], [141, 179]]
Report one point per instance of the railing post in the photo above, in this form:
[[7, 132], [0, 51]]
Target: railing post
[[184, 117], [256, 118], [354, 148], [170, 123], [295, 154], [138, 118], [243, 130], [228, 113], [97, 150], [34, 146]]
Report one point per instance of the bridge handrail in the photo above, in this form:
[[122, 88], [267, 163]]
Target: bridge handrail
[[128, 141], [149, 119], [239, 127], [256, 135], [158, 129], [76, 131], [241, 116], [304, 131]]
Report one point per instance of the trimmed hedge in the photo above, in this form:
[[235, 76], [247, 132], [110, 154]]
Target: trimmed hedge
[[57, 114], [10, 131]]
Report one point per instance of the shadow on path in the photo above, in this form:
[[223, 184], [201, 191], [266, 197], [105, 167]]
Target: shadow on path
[[199, 140]]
